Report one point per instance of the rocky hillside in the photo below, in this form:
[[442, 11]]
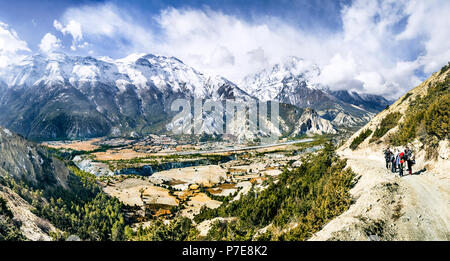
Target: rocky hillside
[[43, 199], [311, 123], [389, 207], [419, 119], [23, 162]]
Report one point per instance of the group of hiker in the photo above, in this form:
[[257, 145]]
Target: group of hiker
[[396, 160]]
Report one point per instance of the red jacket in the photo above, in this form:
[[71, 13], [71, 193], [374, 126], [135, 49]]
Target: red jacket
[[402, 156]]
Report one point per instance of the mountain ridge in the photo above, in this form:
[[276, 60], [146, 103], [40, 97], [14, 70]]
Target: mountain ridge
[[297, 82], [59, 96]]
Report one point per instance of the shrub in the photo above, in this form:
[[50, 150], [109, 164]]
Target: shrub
[[309, 195], [406, 97], [445, 68], [361, 137], [387, 123], [9, 228], [180, 229], [437, 117], [427, 117]]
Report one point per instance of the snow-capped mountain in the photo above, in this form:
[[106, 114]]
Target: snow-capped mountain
[[293, 74], [60, 96], [167, 74], [370, 102], [296, 81]]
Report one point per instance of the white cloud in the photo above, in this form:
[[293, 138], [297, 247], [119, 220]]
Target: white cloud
[[73, 28], [430, 19], [339, 72], [49, 43], [367, 55], [12, 48], [372, 49], [197, 36], [376, 50], [104, 21], [258, 57]]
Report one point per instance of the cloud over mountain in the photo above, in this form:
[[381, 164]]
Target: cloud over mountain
[[49, 43], [381, 47], [11, 46]]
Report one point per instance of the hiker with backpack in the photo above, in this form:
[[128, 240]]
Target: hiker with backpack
[[400, 160], [393, 166], [410, 159], [387, 156]]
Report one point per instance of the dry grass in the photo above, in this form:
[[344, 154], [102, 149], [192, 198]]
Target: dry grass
[[122, 154], [87, 145]]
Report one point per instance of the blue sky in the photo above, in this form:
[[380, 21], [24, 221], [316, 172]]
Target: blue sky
[[32, 19], [384, 47]]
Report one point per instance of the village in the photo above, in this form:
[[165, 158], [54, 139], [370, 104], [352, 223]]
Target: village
[[164, 177]]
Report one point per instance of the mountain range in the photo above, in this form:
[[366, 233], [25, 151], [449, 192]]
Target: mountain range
[[39, 192], [57, 96]]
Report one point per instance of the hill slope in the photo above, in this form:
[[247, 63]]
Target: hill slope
[[43, 199], [387, 207]]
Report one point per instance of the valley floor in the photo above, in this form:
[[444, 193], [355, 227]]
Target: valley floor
[[389, 207]]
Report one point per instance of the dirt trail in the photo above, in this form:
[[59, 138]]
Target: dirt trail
[[388, 207], [428, 201]]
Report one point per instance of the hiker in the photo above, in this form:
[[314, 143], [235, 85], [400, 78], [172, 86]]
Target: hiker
[[387, 156], [400, 160], [410, 160], [393, 166]]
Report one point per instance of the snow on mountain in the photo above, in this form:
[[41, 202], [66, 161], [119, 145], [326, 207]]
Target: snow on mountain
[[71, 96], [59, 96], [269, 82], [296, 81], [140, 70], [58, 68]]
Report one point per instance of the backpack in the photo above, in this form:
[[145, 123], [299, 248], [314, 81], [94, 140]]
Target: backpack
[[412, 158], [410, 155], [402, 157]]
